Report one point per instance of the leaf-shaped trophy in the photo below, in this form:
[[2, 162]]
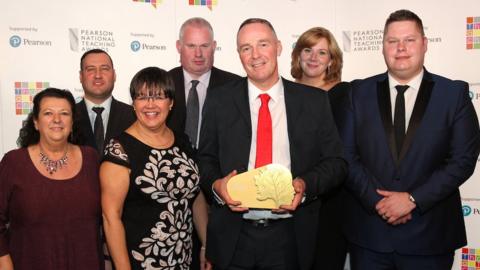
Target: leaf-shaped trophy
[[266, 187]]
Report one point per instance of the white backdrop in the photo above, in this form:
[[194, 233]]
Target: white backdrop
[[41, 43]]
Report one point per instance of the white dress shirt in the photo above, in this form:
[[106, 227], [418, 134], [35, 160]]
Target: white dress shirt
[[107, 104], [280, 141], [410, 95]]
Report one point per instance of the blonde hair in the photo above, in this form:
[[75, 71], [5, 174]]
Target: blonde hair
[[308, 40]]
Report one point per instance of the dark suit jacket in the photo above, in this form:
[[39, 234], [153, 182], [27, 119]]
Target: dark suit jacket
[[120, 118], [176, 119], [439, 153], [315, 152]]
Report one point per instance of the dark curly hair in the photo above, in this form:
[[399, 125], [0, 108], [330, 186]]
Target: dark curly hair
[[29, 135]]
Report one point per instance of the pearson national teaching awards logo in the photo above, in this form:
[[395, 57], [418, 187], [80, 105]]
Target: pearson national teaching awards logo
[[470, 258], [208, 3], [15, 41], [473, 33], [362, 40], [24, 93], [82, 40], [154, 3]]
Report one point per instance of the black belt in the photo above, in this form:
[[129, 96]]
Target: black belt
[[264, 222]]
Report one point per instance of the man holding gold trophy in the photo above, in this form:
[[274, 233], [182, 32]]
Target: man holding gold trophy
[[255, 131]]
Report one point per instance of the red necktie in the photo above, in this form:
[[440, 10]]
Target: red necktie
[[264, 134]]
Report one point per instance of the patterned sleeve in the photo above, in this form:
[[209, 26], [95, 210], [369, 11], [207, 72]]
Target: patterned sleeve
[[115, 153], [5, 193]]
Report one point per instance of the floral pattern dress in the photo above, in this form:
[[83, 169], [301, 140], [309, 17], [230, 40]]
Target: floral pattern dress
[[157, 213]]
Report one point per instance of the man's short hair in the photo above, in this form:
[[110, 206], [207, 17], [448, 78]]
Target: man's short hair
[[195, 22], [92, 51], [404, 15], [257, 20]]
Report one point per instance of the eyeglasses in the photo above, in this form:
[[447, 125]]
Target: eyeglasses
[[154, 98]]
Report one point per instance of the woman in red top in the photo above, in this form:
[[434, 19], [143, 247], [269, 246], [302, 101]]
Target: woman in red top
[[49, 193]]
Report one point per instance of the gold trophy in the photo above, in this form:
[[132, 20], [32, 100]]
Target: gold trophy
[[266, 187]]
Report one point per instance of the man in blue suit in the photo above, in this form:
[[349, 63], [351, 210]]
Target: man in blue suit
[[411, 139]]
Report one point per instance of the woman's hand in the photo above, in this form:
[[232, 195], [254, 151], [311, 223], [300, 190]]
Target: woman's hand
[[204, 263], [7, 264]]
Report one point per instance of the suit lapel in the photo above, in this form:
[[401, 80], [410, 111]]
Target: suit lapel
[[240, 97], [86, 127], [212, 83], [180, 89], [112, 120], [419, 108], [385, 107], [293, 107]]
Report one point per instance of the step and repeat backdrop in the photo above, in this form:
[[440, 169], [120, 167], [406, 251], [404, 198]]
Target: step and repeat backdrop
[[41, 43]]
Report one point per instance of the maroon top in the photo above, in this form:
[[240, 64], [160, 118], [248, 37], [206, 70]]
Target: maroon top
[[54, 224]]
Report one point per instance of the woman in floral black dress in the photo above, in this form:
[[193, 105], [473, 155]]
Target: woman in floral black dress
[[150, 185]]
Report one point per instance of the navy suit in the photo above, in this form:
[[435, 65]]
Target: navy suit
[[439, 153], [315, 154], [120, 118]]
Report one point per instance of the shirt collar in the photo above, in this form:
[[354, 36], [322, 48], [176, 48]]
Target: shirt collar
[[204, 79], [275, 92], [414, 83], [106, 104]]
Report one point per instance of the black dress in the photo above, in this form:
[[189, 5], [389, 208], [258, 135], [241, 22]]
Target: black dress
[[332, 244], [157, 212]]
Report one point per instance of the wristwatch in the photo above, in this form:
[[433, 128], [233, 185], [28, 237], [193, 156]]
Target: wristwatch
[[410, 197]]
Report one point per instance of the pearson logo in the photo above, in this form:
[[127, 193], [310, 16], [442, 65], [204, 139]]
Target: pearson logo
[[474, 91], [467, 210], [15, 41], [208, 3], [470, 211], [135, 46], [154, 3]]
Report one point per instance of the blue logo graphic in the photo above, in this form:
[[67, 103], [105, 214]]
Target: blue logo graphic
[[467, 210], [135, 46], [15, 41]]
